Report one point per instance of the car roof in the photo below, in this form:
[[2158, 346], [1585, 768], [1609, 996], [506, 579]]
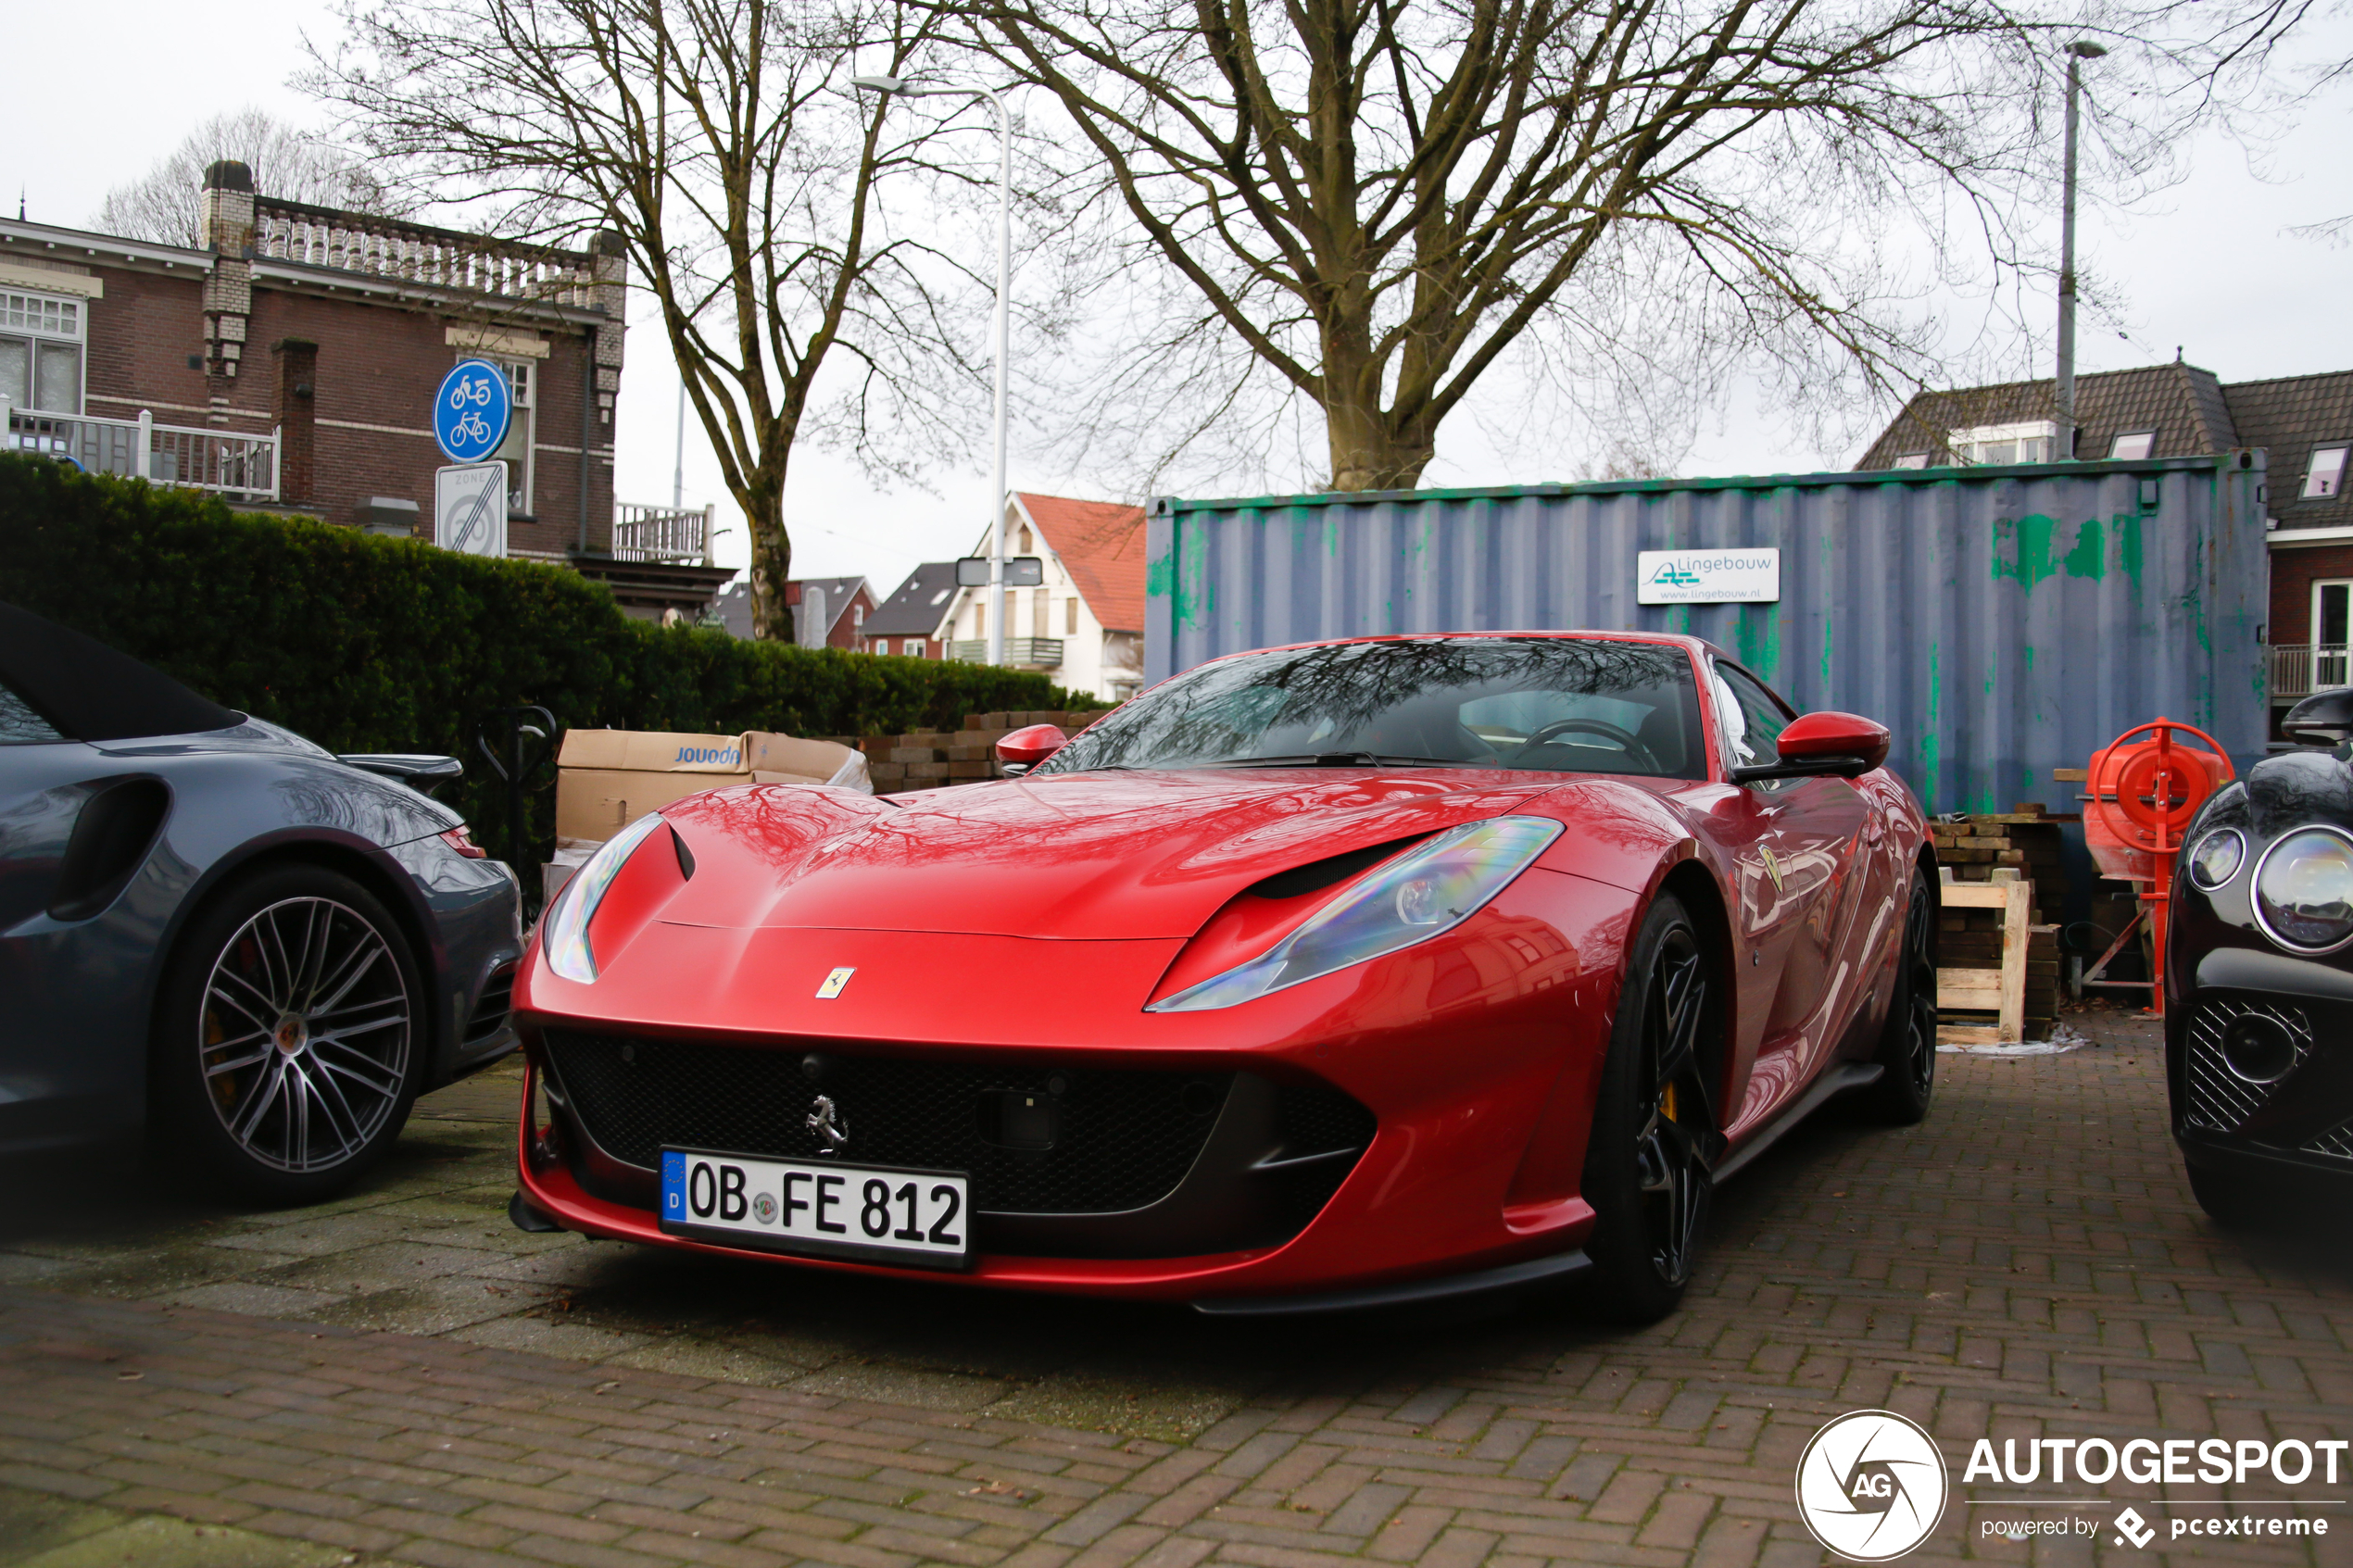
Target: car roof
[[90, 692]]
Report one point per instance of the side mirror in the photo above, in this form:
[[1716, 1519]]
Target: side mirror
[[1024, 749], [1827, 744], [2322, 718]]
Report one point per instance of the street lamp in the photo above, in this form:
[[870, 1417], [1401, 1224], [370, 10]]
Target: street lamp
[[2077, 52], [901, 88]]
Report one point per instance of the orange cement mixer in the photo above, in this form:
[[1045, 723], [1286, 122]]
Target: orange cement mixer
[[2141, 797]]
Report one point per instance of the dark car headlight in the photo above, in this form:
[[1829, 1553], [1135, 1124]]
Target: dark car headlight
[[1427, 891], [564, 934], [2304, 890], [2216, 859]]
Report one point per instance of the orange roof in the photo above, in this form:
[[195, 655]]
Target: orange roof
[[1101, 545]]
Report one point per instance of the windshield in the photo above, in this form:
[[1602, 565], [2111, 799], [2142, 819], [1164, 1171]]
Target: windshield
[[1548, 704]]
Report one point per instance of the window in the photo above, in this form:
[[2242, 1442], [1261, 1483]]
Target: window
[[1040, 609], [858, 616], [1070, 616], [40, 353], [2132, 445], [2332, 623], [1912, 461], [911, 647], [1753, 718], [2034, 442], [516, 449], [19, 726], [2326, 476], [1556, 705], [1026, 548]]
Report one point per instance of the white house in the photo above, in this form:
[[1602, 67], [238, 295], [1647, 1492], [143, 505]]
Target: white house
[[1084, 628]]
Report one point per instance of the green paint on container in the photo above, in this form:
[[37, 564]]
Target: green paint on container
[[1756, 638], [1177, 579], [2128, 547], [2026, 549]]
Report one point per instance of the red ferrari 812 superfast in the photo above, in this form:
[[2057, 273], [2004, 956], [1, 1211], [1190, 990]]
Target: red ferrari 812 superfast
[[1356, 972]]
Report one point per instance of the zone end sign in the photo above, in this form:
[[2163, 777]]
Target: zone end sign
[[1708, 577], [472, 411], [470, 509]]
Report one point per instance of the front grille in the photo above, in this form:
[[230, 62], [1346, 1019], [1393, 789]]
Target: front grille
[[490, 1012], [2337, 1145], [2219, 1099], [1123, 1138]]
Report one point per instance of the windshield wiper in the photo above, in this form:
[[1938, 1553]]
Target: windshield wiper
[[1338, 759]]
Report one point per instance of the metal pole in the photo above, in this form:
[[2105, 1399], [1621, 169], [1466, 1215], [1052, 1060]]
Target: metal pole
[[1005, 333], [2077, 52], [678, 473]]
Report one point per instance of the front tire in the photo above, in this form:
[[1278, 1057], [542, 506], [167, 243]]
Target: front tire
[[1906, 1055], [289, 1037], [1649, 1172]]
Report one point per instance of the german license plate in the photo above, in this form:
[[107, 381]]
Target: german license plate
[[875, 1213]]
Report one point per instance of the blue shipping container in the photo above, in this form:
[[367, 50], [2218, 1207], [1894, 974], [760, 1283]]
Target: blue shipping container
[[2002, 622]]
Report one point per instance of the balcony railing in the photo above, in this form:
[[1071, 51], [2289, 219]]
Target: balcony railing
[[1021, 653], [2301, 668], [244, 466], [661, 533], [387, 247]]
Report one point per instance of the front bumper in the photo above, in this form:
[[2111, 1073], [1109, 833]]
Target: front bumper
[[1455, 1067], [2290, 1117]]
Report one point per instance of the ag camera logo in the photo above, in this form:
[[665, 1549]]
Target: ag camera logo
[[1872, 1486]]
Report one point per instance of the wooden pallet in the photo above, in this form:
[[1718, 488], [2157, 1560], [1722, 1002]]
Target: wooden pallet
[[2001, 991]]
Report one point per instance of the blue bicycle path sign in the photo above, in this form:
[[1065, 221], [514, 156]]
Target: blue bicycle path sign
[[471, 412]]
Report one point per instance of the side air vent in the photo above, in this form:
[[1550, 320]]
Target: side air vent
[[111, 837], [1317, 875]]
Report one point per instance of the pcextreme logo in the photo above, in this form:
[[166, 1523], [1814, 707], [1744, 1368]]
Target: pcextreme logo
[[1872, 1486]]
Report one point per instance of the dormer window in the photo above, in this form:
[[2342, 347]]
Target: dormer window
[[1912, 461], [2325, 478], [2133, 446], [2035, 441]]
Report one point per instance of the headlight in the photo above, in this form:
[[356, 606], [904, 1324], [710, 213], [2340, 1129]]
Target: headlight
[[1425, 892], [2216, 857], [564, 934], [2304, 890]]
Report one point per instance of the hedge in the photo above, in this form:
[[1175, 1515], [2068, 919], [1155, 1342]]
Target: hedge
[[368, 644]]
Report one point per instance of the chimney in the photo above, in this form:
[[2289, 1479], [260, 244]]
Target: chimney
[[226, 229]]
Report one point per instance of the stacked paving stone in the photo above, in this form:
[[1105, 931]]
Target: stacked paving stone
[[2026, 839], [931, 758]]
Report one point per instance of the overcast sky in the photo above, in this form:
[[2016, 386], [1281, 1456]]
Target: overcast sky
[[2209, 265]]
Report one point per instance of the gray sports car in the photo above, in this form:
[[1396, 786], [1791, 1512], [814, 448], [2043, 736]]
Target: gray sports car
[[259, 951]]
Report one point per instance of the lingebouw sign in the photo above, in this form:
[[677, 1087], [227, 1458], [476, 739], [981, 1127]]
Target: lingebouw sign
[[1708, 577]]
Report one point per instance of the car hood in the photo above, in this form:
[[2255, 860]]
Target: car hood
[[1087, 856]]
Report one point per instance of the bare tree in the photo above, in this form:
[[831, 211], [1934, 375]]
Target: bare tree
[[287, 162], [1368, 206], [718, 139]]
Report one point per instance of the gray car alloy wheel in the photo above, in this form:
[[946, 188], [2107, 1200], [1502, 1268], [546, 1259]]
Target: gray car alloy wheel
[[304, 1034]]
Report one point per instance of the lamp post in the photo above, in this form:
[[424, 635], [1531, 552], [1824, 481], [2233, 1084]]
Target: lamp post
[[901, 88], [2077, 52]]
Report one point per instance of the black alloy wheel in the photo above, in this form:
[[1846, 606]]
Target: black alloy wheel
[[1650, 1171], [1907, 1054], [290, 1038]]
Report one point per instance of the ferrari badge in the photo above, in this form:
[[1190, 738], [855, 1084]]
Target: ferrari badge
[[835, 980]]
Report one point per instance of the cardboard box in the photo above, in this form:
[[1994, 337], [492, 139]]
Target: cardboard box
[[607, 779]]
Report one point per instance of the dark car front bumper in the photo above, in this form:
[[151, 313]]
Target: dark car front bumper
[[2292, 1117]]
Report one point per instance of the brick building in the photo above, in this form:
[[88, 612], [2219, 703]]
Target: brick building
[[290, 361], [912, 623], [827, 612], [2303, 424]]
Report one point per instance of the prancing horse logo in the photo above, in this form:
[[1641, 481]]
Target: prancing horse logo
[[828, 1124]]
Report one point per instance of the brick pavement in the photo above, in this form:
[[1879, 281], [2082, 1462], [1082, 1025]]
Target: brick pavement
[[2027, 1263]]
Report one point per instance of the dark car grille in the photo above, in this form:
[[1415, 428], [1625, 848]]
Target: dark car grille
[[1122, 1138], [2218, 1099]]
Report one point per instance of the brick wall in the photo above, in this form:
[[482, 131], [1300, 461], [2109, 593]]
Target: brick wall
[[2293, 573], [930, 759], [375, 370]]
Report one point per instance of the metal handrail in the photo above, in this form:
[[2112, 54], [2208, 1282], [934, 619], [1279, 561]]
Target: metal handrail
[[2301, 668], [661, 533], [185, 455]]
